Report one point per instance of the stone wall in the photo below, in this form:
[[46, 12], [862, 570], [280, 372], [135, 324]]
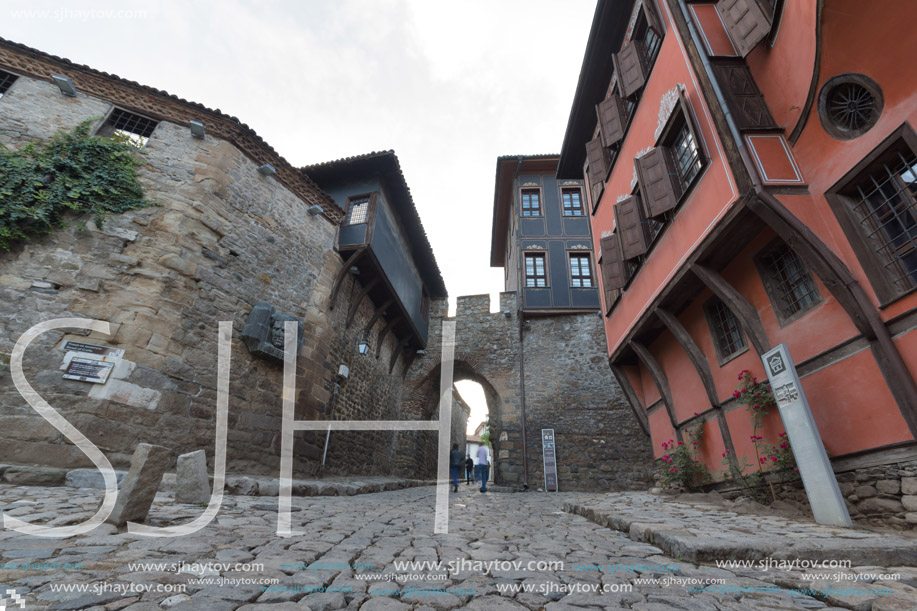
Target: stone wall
[[223, 238]]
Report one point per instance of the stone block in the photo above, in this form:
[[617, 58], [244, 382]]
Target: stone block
[[888, 486], [191, 483], [91, 478], [877, 505], [126, 393], [909, 502], [909, 485], [148, 465], [33, 476], [865, 492]]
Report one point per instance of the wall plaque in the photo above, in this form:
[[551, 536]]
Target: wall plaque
[[263, 332], [550, 460], [72, 346], [811, 458], [88, 370]]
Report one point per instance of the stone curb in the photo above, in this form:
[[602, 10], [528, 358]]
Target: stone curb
[[676, 539], [17, 475]]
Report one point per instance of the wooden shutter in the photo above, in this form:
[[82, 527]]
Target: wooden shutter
[[652, 17], [742, 95], [747, 21], [658, 181], [631, 64], [612, 119], [597, 157], [632, 227], [613, 272]]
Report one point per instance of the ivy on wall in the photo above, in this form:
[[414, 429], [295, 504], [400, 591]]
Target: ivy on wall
[[72, 171]]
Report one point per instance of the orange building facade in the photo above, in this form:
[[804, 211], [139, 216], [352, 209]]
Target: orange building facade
[[751, 169]]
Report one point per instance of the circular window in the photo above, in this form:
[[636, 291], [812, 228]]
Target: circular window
[[849, 105]]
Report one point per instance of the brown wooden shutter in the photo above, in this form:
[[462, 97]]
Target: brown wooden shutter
[[652, 17], [613, 272], [632, 227], [612, 119], [631, 63], [597, 157], [658, 181], [747, 21], [742, 95]]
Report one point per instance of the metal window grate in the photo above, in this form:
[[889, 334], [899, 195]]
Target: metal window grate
[[795, 290], [726, 329], [580, 271], [687, 155], [851, 106], [573, 202], [535, 275], [531, 202], [133, 128], [6, 81], [887, 211], [357, 212]]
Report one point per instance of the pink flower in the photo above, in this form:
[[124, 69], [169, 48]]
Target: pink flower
[[774, 458], [763, 460], [696, 414], [694, 443], [673, 470], [724, 454], [681, 443], [735, 394], [796, 469]]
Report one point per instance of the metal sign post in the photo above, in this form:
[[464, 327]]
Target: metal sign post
[[550, 460], [811, 458]]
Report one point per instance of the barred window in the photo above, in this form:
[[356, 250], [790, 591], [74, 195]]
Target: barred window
[[687, 156], [877, 208], [132, 128], [531, 202], [6, 81], [357, 212], [535, 274], [724, 327], [789, 285], [573, 202], [580, 271]]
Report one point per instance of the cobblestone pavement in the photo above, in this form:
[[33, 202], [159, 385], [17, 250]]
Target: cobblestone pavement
[[353, 547]]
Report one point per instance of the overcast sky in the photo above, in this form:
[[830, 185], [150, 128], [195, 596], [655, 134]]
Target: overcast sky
[[448, 86]]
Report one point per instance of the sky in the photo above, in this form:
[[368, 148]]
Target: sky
[[448, 86]]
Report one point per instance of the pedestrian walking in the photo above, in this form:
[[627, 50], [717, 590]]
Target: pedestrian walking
[[482, 468], [469, 469], [455, 463]]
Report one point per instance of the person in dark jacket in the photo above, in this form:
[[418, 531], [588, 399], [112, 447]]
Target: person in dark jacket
[[469, 469], [455, 463]]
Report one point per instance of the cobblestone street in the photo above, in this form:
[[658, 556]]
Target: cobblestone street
[[368, 536]]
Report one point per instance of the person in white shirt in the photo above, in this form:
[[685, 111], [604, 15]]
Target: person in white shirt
[[482, 467]]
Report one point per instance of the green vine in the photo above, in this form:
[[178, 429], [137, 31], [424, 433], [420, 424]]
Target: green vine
[[72, 171]]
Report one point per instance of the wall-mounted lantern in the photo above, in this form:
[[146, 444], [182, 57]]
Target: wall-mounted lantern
[[65, 85], [267, 169], [363, 346], [197, 129]]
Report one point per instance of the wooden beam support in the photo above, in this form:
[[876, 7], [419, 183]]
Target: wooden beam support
[[355, 304], [379, 312], [342, 273], [395, 354], [388, 327], [744, 311], [661, 381], [631, 395]]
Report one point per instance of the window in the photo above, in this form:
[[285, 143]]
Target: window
[[357, 212], [125, 125], [531, 202], [687, 156], [727, 335], [573, 202], [877, 208], [580, 271], [6, 81], [535, 274], [789, 285], [652, 39], [849, 105]]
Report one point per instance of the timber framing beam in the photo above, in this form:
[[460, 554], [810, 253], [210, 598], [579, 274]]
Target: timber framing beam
[[632, 399], [702, 366], [661, 381], [342, 273], [744, 311], [388, 327], [355, 304], [379, 312]]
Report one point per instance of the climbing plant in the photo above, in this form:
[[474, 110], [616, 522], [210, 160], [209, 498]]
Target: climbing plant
[[72, 171]]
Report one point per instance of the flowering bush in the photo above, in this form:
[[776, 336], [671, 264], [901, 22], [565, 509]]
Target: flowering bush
[[679, 467], [775, 460]]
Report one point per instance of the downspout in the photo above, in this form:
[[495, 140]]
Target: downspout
[[525, 448], [876, 327]]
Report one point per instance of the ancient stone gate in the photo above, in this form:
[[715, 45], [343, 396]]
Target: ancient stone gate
[[566, 385]]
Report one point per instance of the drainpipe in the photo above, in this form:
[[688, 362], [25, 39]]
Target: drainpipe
[[877, 328], [525, 461]]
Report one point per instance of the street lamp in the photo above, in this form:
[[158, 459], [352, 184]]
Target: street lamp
[[363, 346]]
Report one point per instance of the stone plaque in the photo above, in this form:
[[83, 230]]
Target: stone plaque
[[72, 346], [263, 332], [811, 458], [550, 460], [86, 370]]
